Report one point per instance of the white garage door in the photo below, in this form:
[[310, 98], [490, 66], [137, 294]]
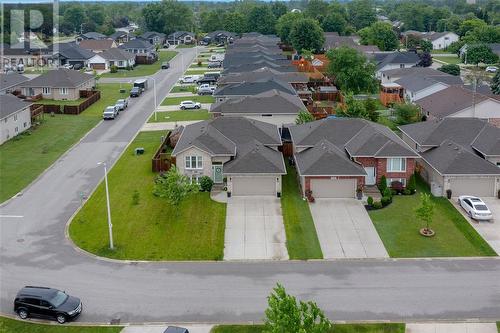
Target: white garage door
[[479, 186], [333, 188], [254, 186]]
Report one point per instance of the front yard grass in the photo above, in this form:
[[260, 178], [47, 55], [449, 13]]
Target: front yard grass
[[452, 59], [337, 328], [8, 325], [178, 100], [192, 71], [151, 229], [399, 228], [301, 238], [188, 88], [171, 116], [144, 70]]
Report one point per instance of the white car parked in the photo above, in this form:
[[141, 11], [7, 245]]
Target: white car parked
[[189, 79], [492, 69], [189, 105], [475, 207]]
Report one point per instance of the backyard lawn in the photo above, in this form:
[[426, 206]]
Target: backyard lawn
[[301, 239], [171, 116], [192, 231], [178, 100], [25, 157], [399, 230], [144, 70], [8, 325], [337, 328], [452, 59]]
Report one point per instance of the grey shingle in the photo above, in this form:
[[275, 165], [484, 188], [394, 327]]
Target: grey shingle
[[264, 73], [253, 88], [11, 80], [255, 158], [10, 104], [62, 77]]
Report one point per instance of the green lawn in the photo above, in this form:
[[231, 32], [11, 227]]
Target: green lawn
[[178, 100], [185, 46], [192, 231], [452, 59], [198, 71], [25, 157], [8, 325], [189, 88], [441, 52], [56, 102], [337, 328], [171, 116], [301, 239], [398, 228], [144, 70]]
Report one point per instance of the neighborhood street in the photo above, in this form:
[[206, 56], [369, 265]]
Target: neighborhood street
[[35, 251]]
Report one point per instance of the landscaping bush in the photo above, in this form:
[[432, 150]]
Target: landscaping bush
[[385, 201], [382, 184], [387, 192], [377, 205], [406, 191], [412, 184], [199, 63], [113, 69], [369, 201], [206, 184]]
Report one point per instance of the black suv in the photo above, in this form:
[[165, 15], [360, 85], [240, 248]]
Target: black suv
[[135, 92], [46, 302]]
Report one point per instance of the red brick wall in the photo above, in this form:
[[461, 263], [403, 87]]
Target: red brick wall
[[380, 165]]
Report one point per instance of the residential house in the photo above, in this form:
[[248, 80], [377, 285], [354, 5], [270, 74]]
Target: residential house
[[337, 156], [71, 54], [97, 45], [238, 90], [23, 53], [418, 87], [248, 67], [457, 154], [242, 151], [457, 101], [264, 73], [140, 47], [11, 82], [121, 37], [439, 40], [392, 75], [219, 36], [15, 116], [333, 40], [272, 106], [235, 48], [393, 60], [181, 37], [90, 35], [155, 38], [59, 84], [132, 27], [112, 57]]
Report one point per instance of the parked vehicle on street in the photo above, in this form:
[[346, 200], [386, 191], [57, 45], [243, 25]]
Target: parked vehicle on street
[[214, 64], [165, 65], [188, 79], [135, 92], [217, 57], [206, 89], [110, 112], [46, 303], [492, 69], [189, 105], [122, 104], [176, 329], [209, 78], [142, 84], [475, 207]]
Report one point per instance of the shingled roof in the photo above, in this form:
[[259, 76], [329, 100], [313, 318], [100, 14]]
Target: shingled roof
[[59, 78], [11, 104], [264, 73], [254, 88]]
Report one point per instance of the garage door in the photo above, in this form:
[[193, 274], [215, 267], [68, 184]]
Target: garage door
[[479, 186], [254, 186], [98, 66], [333, 188]]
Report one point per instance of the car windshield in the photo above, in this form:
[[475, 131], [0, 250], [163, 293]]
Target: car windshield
[[481, 207], [121, 101], [58, 299]]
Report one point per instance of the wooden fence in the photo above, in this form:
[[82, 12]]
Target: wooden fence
[[36, 111], [162, 160], [145, 60], [320, 112], [91, 96], [287, 149]]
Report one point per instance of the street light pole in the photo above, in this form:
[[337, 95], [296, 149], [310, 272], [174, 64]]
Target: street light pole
[[110, 225], [154, 93]]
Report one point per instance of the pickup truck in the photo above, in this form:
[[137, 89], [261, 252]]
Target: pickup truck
[[206, 89]]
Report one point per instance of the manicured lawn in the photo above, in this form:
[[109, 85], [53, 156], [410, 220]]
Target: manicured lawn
[[8, 325], [441, 52], [301, 239], [171, 116], [192, 231], [144, 70], [452, 59], [337, 328], [191, 71], [399, 228], [56, 102], [195, 66], [190, 88], [178, 100]]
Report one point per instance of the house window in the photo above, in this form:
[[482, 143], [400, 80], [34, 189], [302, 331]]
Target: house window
[[120, 63], [396, 164], [194, 162], [25, 124], [46, 90], [401, 180], [63, 91]]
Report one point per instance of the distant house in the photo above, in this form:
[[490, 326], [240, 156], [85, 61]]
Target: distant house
[[255, 57], [71, 54], [457, 154], [392, 75], [392, 60], [439, 40], [417, 87], [155, 38], [121, 37], [242, 152], [90, 35], [15, 116], [112, 57], [333, 40], [219, 36], [98, 45], [11, 82], [139, 47], [244, 89], [59, 84], [24, 54], [181, 37]]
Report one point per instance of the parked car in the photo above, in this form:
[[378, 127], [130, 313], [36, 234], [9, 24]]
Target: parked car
[[135, 92], [206, 89], [208, 79], [176, 329], [166, 45], [165, 65], [189, 105], [492, 69], [475, 207], [67, 66], [77, 67], [214, 64], [110, 112], [122, 104], [188, 79], [48, 303]]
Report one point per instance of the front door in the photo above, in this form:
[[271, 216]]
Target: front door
[[217, 173], [370, 178]]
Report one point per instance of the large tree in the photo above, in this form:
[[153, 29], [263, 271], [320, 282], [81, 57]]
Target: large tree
[[351, 70], [74, 16], [495, 84], [334, 22], [380, 34], [316, 9], [361, 13], [234, 22], [480, 53], [212, 20], [306, 34], [279, 9], [168, 16], [285, 24], [261, 19]]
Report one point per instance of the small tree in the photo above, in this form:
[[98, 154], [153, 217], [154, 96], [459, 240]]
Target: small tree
[[426, 212], [406, 113], [285, 314], [495, 84], [303, 117], [371, 109], [173, 186], [452, 69], [425, 59]]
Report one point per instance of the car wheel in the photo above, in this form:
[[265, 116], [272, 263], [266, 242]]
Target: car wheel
[[22, 313], [197, 107], [183, 107], [470, 214], [61, 319]]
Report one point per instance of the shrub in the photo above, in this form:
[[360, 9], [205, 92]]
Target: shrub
[[377, 205], [199, 63], [382, 184], [407, 192], [206, 183], [385, 201], [136, 198], [412, 184], [369, 201], [113, 69], [387, 192]]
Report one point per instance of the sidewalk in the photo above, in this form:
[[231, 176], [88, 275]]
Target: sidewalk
[[451, 328], [205, 106], [166, 126], [196, 328]]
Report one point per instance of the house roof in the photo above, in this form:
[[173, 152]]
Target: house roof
[[216, 33], [96, 44], [334, 40], [255, 58], [117, 54], [416, 83], [254, 88], [117, 34], [180, 34], [11, 104], [137, 43], [11, 80], [449, 101], [151, 34], [264, 73], [258, 65], [234, 48], [93, 35], [384, 59], [73, 51], [267, 102], [423, 71], [59, 78], [254, 157]]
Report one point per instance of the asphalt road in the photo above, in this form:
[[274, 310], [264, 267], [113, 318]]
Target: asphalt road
[[34, 251]]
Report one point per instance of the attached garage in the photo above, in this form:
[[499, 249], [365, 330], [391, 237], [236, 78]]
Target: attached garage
[[98, 66], [477, 186], [258, 185], [333, 188]]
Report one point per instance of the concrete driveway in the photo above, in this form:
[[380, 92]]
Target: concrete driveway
[[345, 230], [254, 229], [489, 230]]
